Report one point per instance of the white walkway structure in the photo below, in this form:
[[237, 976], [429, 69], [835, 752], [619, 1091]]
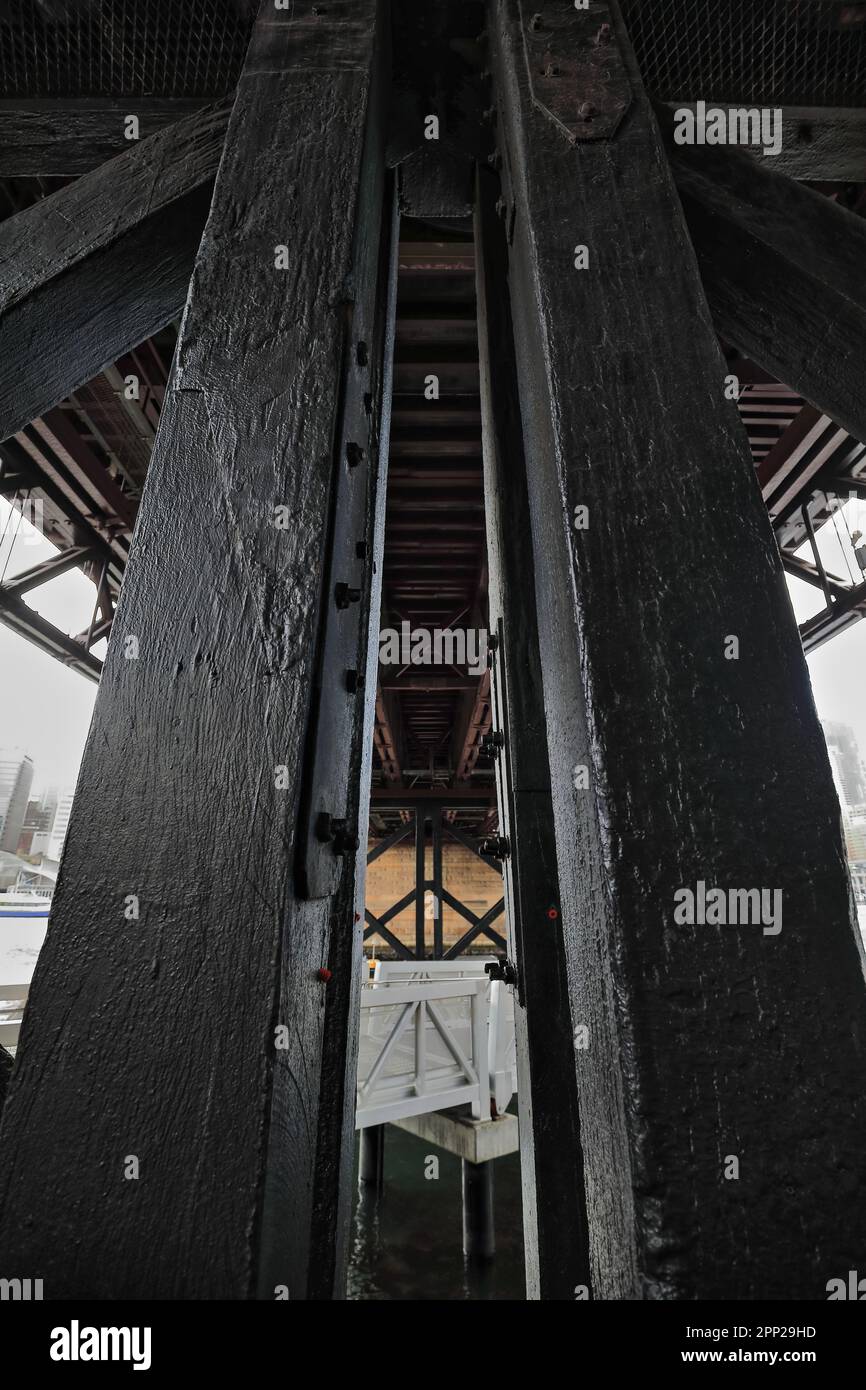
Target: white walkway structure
[[433, 1035]]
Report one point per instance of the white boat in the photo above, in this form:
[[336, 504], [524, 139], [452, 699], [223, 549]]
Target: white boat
[[25, 902], [23, 924]]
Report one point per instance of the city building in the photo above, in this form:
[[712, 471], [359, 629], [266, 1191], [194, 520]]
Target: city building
[[60, 823], [849, 772], [16, 779], [38, 821]]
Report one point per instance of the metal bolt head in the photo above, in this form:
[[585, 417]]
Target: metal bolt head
[[344, 594], [345, 839], [492, 743], [496, 847], [337, 832], [586, 110]]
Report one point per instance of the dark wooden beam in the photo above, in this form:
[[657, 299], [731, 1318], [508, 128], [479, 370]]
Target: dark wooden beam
[[697, 768], [178, 1013], [782, 268], [556, 1241], [100, 265], [819, 143], [65, 137]]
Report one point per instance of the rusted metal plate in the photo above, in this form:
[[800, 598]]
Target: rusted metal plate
[[576, 71]]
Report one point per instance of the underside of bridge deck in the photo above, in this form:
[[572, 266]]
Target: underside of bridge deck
[[438, 429]]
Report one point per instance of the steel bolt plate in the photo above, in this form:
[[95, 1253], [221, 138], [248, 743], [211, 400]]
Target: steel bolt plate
[[576, 73]]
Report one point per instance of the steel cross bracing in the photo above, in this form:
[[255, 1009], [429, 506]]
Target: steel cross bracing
[[430, 895]]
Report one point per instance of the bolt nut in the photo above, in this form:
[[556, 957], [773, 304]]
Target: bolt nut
[[344, 594], [345, 840], [586, 110], [336, 831], [496, 847], [492, 743]]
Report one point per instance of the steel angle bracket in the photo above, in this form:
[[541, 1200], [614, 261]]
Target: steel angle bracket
[[577, 76], [328, 833]]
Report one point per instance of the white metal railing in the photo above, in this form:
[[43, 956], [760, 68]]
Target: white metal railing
[[12, 1001], [433, 1035], [422, 1047], [404, 972]]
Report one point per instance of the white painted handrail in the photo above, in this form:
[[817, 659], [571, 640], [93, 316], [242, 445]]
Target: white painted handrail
[[428, 1028], [423, 1046]]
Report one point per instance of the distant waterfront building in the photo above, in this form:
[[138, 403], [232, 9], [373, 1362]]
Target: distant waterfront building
[[855, 837], [858, 879], [16, 779], [61, 823], [38, 821], [849, 773]]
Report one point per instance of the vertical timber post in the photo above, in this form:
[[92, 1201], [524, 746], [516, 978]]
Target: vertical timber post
[[555, 1245], [723, 1087], [163, 1133]]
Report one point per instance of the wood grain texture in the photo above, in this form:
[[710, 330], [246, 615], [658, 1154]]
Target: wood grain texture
[[818, 142], [101, 264], [156, 1037], [705, 1041], [63, 138], [80, 323], [556, 1245], [782, 267]]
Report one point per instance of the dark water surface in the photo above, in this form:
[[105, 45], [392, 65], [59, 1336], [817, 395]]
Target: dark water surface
[[408, 1242]]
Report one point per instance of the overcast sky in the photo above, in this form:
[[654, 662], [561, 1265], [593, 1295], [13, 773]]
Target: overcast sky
[[45, 708]]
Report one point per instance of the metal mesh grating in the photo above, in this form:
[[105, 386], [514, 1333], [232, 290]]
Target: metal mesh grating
[[166, 48], [765, 52], [794, 52]]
